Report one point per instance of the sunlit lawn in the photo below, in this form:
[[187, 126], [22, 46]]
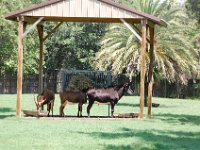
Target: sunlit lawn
[[175, 125]]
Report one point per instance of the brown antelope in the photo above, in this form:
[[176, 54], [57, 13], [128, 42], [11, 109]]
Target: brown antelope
[[69, 97], [46, 97]]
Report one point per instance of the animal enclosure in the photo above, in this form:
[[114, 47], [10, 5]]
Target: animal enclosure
[[99, 78], [56, 80]]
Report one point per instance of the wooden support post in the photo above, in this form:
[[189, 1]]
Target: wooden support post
[[150, 74], [41, 34], [150, 87], [142, 67], [20, 65]]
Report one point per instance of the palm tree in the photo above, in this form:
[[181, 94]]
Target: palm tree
[[175, 55]]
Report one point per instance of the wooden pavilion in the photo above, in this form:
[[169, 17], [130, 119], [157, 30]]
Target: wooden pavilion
[[60, 11]]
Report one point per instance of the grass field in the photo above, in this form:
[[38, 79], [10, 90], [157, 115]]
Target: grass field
[[175, 126]]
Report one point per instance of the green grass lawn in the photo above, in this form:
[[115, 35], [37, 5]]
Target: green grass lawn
[[175, 125]]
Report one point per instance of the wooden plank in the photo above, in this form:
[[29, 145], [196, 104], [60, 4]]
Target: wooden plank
[[35, 113], [20, 64], [66, 8], [151, 53], [47, 11], [121, 13], [150, 74], [115, 12], [97, 8], [84, 8], [72, 8], [103, 9], [78, 8], [31, 20], [91, 8], [59, 9], [39, 12], [109, 11], [41, 34], [142, 67], [150, 88], [28, 14], [54, 10], [131, 15], [33, 12], [106, 10], [126, 14], [89, 19]]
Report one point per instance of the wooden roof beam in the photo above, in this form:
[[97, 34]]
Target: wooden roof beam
[[33, 26], [135, 30], [52, 31], [139, 32], [132, 30], [31, 20]]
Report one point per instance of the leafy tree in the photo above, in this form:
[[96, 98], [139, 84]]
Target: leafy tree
[[193, 7], [8, 40], [73, 46]]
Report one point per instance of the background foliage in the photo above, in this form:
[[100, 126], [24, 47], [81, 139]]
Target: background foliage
[[75, 45]]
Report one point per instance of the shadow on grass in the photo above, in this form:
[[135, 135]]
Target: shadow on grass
[[127, 104], [4, 111], [6, 116], [121, 147], [158, 139], [183, 119]]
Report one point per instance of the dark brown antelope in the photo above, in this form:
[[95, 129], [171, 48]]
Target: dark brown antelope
[[105, 95]]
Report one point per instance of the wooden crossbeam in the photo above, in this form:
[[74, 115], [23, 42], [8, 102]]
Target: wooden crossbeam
[[33, 26], [52, 31], [139, 32], [132, 29], [31, 20]]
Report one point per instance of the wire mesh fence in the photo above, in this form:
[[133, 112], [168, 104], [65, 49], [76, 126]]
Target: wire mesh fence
[[59, 80]]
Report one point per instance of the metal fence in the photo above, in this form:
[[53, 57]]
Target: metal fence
[[59, 81], [99, 78], [56, 80], [8, 83]]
